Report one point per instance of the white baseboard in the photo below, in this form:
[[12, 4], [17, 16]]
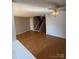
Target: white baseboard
[[22, 32], [57, 36]]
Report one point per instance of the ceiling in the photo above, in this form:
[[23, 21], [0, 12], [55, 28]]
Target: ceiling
[[30, 8], [46, 2]]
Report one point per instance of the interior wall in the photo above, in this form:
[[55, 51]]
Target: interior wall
[[22, 24], [20, 52], [13, 30], [56, 25]]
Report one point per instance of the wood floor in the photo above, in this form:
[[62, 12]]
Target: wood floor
[[43, 46]]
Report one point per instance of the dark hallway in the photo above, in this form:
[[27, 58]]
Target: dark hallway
[[40, 24]]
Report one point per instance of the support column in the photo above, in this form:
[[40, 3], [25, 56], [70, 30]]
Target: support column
[[32, 23]]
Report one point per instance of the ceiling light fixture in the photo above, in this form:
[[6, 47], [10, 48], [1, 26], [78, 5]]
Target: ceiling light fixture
[[55, 12]]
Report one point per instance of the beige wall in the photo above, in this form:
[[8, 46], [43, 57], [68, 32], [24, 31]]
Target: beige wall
[[22, 24], [56, 25]]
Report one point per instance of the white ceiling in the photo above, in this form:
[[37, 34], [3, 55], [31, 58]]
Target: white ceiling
[[24, 10], [30, 8], [59, 2]]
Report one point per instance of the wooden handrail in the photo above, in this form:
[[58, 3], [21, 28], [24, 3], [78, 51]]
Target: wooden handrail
[[37, 26], [41, 27]]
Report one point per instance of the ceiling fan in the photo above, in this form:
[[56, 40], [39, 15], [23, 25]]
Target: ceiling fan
[[56, 10]]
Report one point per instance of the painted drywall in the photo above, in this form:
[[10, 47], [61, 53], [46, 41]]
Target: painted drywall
[[20, 52], [22, 24], [56, 25], [13, 37], [13, 30], [14, 55]]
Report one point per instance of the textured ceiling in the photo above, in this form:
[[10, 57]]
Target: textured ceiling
[[20, 7], [25, 10]]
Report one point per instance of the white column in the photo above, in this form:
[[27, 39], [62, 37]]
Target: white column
[[32, 23]]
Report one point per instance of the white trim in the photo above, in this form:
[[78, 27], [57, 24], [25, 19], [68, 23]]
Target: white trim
[[56, 36], [32, 23], [13, 30], [22, 32]]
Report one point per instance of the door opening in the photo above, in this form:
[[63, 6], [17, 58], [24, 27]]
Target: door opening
[[40, 24]]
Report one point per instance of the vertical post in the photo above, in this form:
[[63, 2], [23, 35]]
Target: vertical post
[[32, 23], [13, 30]]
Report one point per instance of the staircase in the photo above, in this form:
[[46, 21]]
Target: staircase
[[40, 24]]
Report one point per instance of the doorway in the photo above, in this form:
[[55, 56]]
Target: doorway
[[40, 24]]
